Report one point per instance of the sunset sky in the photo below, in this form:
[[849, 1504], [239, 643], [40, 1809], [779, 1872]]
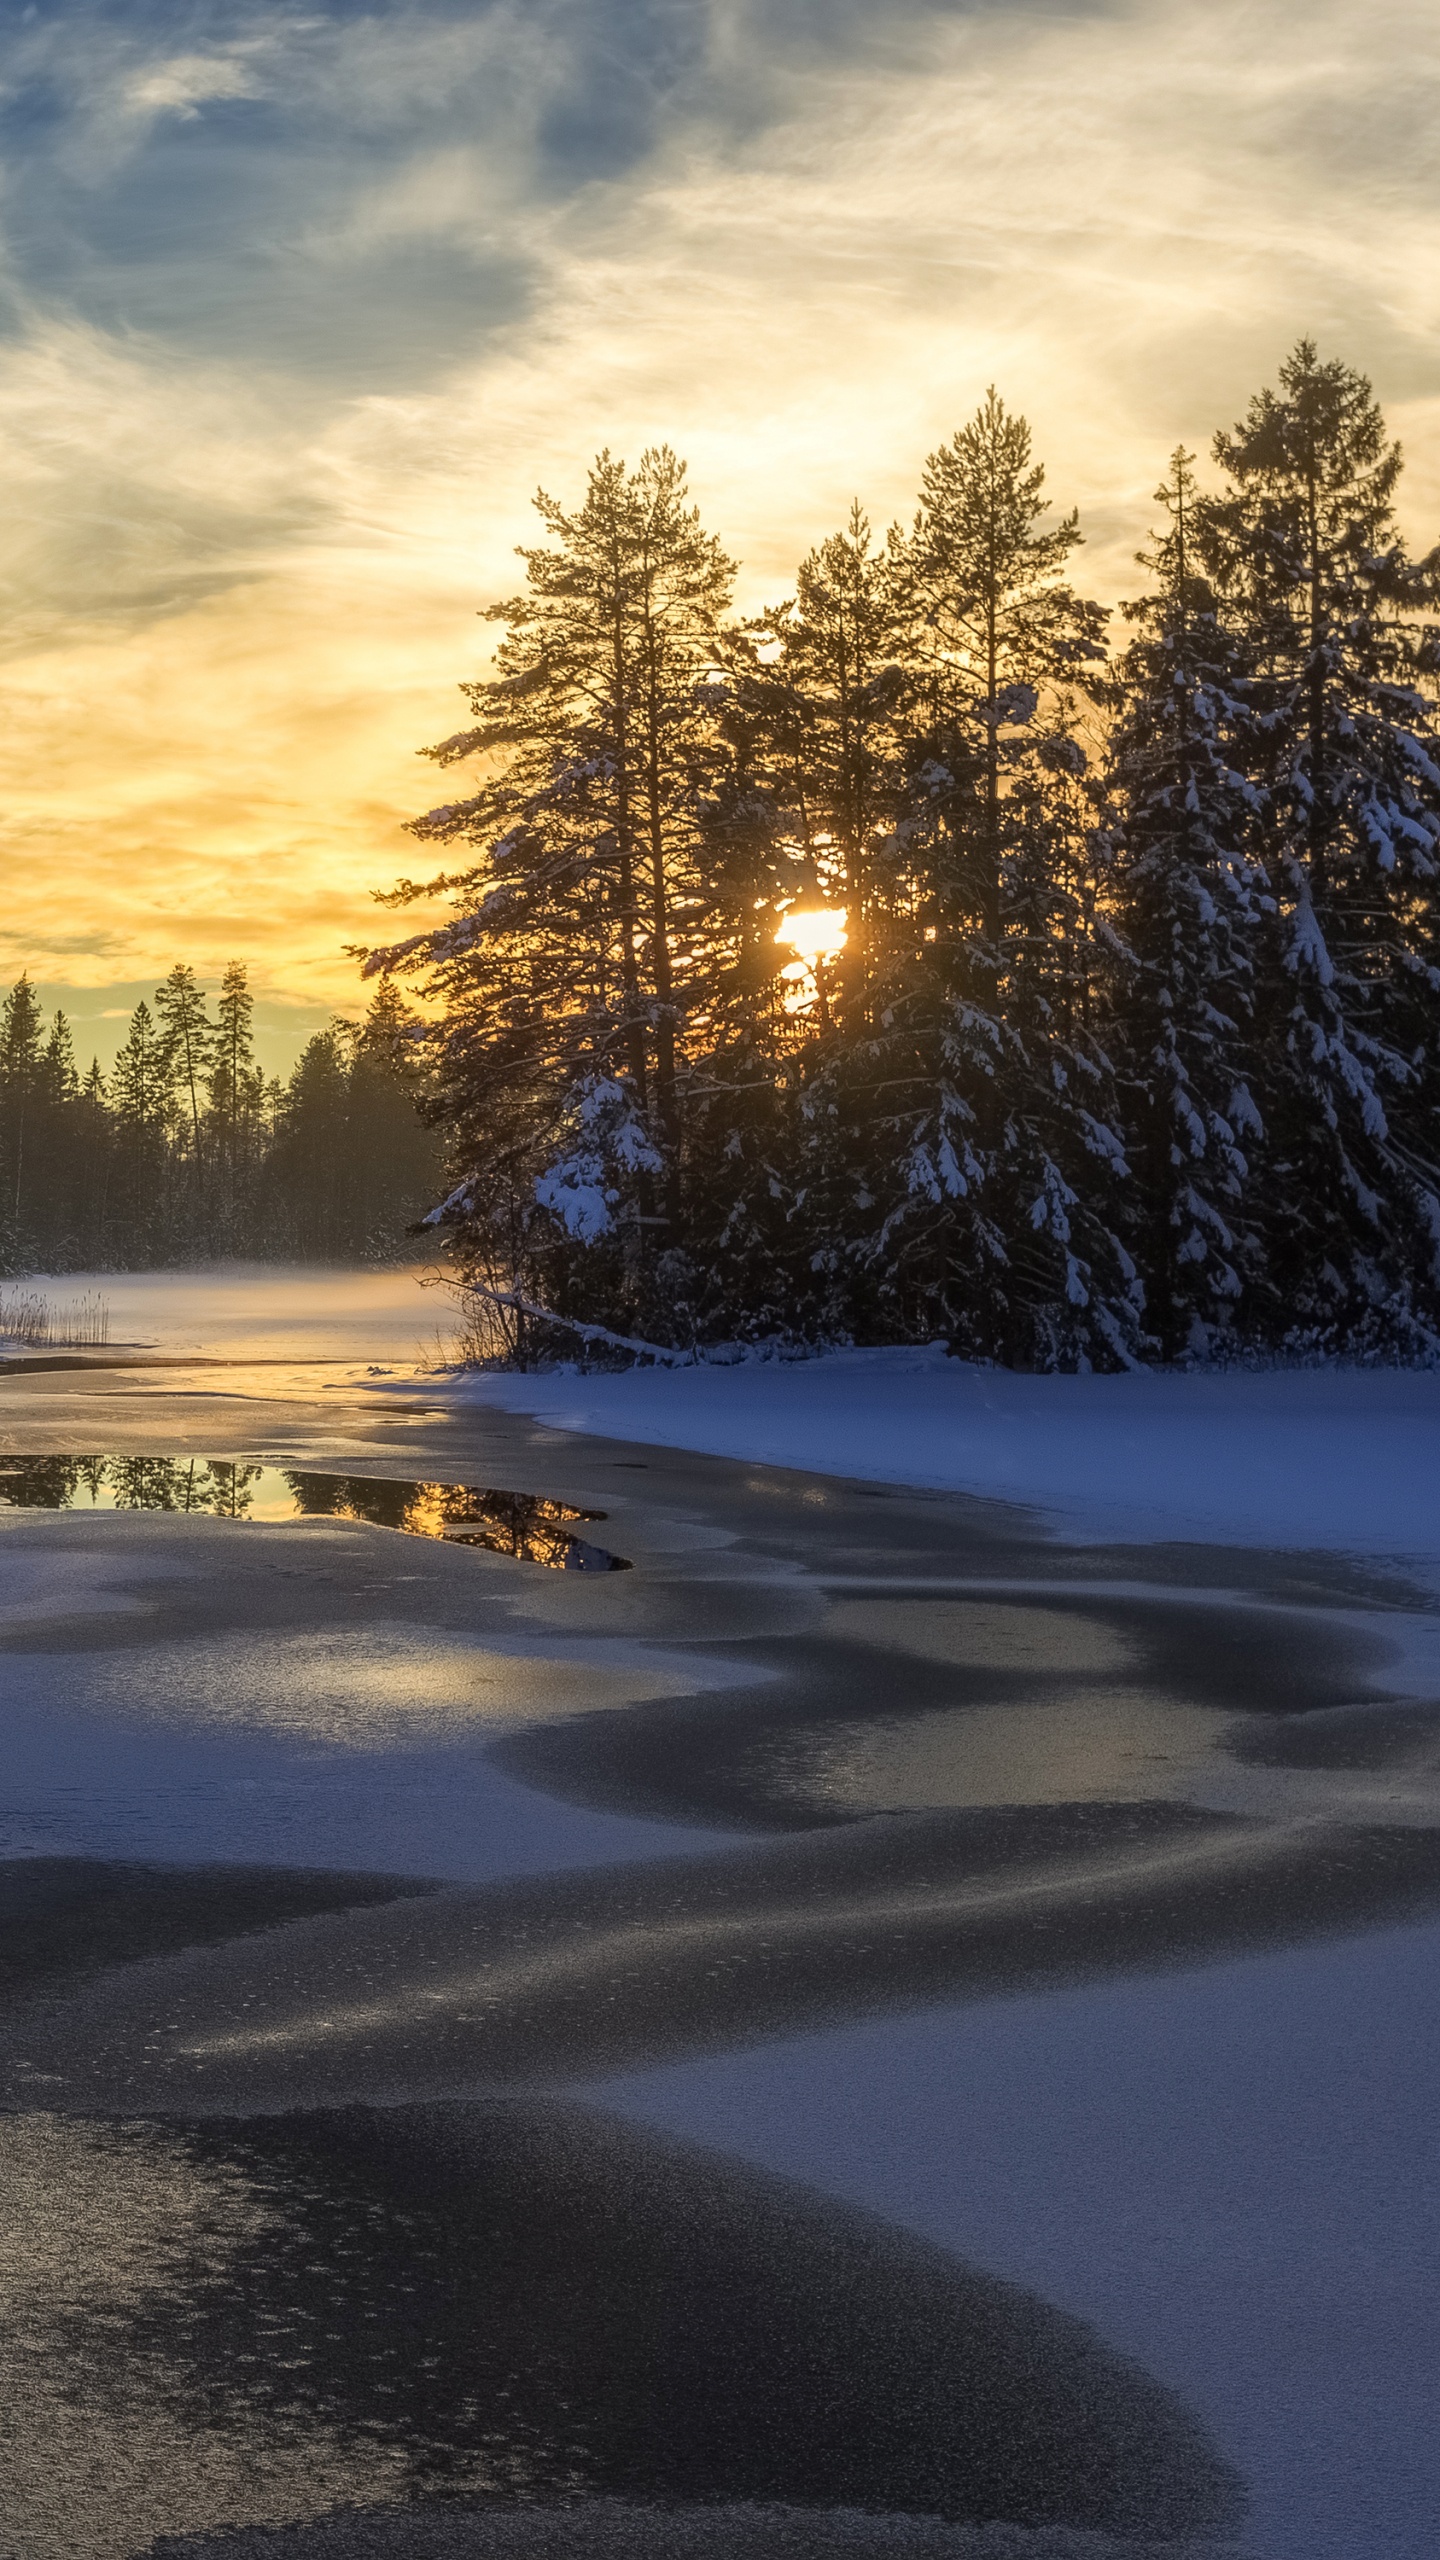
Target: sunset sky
[[301, 303]]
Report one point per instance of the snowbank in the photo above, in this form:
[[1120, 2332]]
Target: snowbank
[[1333, 1458]]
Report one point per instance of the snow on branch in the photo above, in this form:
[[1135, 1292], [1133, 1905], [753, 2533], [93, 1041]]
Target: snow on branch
[[634, 1343]]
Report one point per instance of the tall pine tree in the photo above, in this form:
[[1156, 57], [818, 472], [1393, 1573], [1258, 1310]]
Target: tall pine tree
[[1330, 615], [995, 1151], [22, 1161], [142, 1099], [1189, 910], [235, 1121], [190, 1038], [585, 932]]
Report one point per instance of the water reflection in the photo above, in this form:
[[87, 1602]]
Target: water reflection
[[222, 1486], [525, 1525]]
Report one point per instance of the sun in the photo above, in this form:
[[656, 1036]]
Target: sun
[[815, 934]]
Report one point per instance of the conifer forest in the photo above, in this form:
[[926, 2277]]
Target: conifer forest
[[187, 1152], [933, 955]]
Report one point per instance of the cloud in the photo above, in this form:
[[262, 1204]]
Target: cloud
[[286, 365], [187, 82]]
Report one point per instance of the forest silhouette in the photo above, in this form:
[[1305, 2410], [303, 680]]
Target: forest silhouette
[[906, 962]]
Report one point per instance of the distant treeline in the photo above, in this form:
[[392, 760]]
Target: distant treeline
[[187, 1152], [915, 959]]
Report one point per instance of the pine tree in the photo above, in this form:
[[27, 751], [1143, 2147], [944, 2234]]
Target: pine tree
[[142, 1096], [231, 1076], [309, 1174], [1330, 611], [995, 1151], [398, 1162], [1189, 915], [94, 1151], [1003, 628], [189, 1037], [583, 938], [827, 676], [234, 1122], [811, 727], [21, 1154]]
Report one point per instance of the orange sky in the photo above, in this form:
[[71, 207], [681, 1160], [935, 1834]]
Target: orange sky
[[302, 309]]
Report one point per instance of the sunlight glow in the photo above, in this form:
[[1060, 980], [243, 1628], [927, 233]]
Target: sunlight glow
[[816, 933], [806, 274]]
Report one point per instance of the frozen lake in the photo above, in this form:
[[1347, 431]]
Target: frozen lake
[[259, 1311], [1070, 1907]]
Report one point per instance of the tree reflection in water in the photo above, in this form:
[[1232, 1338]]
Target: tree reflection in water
[[525, 1525]]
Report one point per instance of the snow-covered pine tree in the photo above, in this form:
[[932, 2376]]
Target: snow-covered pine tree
[[584, 934], [1330, 611], [813, 719], [1188, 912], [993, 1149], [1072, 1294], [830, 677]]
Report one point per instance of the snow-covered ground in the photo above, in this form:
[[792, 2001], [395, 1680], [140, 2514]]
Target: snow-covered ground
[[1229, 2170], [1337, 1458], [1333, 1458]]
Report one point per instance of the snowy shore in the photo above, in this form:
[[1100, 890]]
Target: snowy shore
[[1340, 1459]]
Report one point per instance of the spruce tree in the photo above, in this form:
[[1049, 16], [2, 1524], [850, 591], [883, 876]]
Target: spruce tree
[[95, 1150], [58, 1207], [828, 677], [1330, 612], [995, 1153], [142, 1096], [21, 1149], [309, 1172], [349, 1167], [1188, 912], [812, 724], [585, 936], [397, 1160], [234, 1123], [189, 1037]]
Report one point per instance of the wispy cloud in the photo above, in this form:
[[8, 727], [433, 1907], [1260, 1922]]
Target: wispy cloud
[[188, 81], [302, 305]]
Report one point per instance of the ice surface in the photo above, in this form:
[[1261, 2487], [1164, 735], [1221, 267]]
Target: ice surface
[[1332, 1458], [1229, 2171], [265, 1311], [364, 1752]]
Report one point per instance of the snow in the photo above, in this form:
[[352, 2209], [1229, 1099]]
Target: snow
[[1229, 2171], [1344, 1459]]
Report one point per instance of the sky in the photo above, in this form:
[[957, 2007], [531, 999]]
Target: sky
[[298, 305]]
